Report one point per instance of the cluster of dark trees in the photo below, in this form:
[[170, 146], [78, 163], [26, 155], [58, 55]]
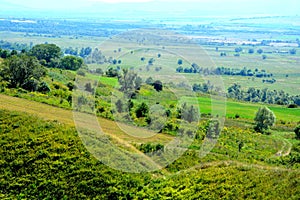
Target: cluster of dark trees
[[4, 53], [83, 52], [14, 46], [224, 71], [251, 94], [26, 69], [262, 95], [204, 88], [188, 113], [273, 80], [50, 55], [91, 56], [158, 85], [23, 71]]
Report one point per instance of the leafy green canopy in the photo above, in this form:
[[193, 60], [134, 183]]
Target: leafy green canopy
[[264, 119], [20, 70]]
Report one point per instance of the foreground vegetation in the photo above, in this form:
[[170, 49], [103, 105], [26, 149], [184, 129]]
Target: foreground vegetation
[[46, 159]]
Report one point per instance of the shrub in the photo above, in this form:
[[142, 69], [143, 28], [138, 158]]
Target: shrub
[[44, 87], [142, 110], [297, 131], [293, 106]]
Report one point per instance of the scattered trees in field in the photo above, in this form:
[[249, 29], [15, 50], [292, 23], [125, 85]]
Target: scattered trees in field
[[84, 52], [264, 119], [95, 56], [224, 71]]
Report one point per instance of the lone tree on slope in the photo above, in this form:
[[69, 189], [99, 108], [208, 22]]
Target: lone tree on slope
[[264, 119]]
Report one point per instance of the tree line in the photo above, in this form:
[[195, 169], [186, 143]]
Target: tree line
[[251, 94], [259, 73]]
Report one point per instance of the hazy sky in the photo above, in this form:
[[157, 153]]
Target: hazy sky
[[164, 7]]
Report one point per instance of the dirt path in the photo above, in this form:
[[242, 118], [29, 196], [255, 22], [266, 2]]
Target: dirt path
[[285, 149], [110, 128]]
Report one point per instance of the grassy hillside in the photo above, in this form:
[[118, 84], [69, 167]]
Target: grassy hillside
[[46, 159]]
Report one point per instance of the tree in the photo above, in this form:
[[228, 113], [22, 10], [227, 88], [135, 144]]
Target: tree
[[44, 87], [192, 114], [297, 131], [213, 128], [293, 51], [151, 61], [46, 52], [264, 119], [71, 63], [119, 105], [241, 145], [179, 62], [13, 52], [251, 51], [189, 114], [259, 51], [111, 72], [142, 110], [179, 69], [19, 70], [223, 54], [88, 87], [158, 86], [4, 54], [129, 81], [149, 81], [238, 49]]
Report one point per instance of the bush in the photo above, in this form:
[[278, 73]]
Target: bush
[[158, 86], [31, 85], [44, 87], [142, 110], [293, 106], [297, 131], [81, 73]]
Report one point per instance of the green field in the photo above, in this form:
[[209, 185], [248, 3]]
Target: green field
[[248, 110]]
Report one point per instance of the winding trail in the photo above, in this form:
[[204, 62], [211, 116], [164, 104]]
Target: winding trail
[[85, 121], [285, 149], [119, 137]]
